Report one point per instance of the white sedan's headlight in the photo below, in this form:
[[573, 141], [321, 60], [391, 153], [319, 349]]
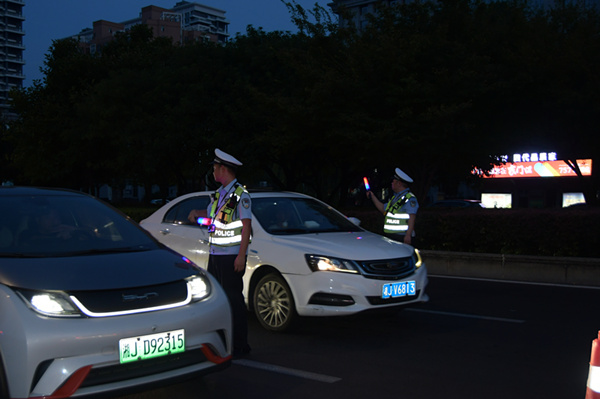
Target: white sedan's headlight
[[417, 258], [319, 263]]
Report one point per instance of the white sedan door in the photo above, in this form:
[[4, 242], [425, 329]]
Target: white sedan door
[[178, 233]]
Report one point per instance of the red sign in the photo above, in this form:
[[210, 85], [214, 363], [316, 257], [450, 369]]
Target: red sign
[[538, 169]]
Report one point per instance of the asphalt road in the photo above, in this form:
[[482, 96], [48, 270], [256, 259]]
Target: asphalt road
[[474, 339]]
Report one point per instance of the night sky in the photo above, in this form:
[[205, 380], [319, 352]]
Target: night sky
[[49, 20]]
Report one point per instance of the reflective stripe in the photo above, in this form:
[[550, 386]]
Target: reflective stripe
[[227, 232], [225, 241], [396, 223], [228, 226], [394, 228], [593, 382], [399, 216]]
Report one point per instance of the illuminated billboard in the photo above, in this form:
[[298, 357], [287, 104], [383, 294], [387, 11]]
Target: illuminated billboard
[[538, 169], [496, 200], [572, 199]]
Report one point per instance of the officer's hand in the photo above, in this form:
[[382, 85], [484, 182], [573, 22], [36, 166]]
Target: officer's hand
[[239, 265], [195, 214], [369, 194]]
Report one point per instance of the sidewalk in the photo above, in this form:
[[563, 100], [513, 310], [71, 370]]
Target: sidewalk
[[540, 269]]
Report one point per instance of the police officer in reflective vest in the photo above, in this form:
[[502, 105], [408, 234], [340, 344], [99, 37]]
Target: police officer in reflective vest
[[400, 211], [229, 235]]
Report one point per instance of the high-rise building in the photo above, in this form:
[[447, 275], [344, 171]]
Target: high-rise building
[[185, 22], [355, 12], [11, 51]]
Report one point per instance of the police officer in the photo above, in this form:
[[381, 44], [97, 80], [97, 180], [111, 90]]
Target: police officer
[[400, 211], [230, 212]]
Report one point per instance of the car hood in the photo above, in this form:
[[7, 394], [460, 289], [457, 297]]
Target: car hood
[[355, 245], [95, 272]]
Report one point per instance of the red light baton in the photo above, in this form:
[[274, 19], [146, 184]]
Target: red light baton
[[366, 183], [204, 221]]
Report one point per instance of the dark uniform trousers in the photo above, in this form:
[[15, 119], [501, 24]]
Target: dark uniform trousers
[[222, 268]]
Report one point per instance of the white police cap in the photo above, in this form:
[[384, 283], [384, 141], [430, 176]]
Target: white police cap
[[400, 175], [225, 159]]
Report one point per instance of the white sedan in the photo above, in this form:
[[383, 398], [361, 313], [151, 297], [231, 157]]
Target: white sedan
[[305, 258]]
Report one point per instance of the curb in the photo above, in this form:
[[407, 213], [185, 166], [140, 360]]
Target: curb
[[539, 269]]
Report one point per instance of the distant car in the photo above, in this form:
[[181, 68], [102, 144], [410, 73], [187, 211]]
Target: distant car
[[305, 258], [457, 203], [91, 304], [159, 201], [577, 206]]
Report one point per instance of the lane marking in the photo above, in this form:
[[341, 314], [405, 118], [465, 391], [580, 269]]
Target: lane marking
[[284, 370], [495, 280], [470, 316]]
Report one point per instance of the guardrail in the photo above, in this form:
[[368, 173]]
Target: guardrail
[[540, 269]]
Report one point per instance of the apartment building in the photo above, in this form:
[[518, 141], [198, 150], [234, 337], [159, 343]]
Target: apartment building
[[185, 22], [356, 11], [11, 51]]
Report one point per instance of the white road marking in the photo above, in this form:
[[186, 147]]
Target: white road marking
[[284, 370], [470, 316], [495, 280]]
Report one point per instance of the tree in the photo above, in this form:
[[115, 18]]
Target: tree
[[47, 136], [435, 88]]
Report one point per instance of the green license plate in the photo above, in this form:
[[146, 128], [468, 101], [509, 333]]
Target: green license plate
[[151, 346]]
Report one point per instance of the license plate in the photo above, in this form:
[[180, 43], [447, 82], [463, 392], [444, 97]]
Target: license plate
[[150, 346], [402, 288]]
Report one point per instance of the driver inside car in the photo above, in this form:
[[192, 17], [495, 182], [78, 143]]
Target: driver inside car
[[46, 225]]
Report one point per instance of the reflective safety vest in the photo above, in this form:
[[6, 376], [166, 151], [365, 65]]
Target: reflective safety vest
[[396, 222], [227, 231]]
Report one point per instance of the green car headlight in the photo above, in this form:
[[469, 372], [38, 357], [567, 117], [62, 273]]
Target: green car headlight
[[50, 303], [198, 287]]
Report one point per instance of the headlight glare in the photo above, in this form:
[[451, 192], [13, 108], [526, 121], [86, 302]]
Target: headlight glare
[[319, 263], [199, 287], [56, 304], [417, 258]]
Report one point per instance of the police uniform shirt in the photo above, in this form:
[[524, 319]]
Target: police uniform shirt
[[243, 210], [411, 206]]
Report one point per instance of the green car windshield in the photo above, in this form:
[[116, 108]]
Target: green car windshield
[[54, 225]]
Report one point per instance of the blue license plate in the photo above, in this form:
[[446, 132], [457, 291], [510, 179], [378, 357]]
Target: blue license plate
[[396, 290]]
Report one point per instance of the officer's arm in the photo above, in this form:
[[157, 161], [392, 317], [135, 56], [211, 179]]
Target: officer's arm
[[240, 261], [411, 226], [378, 204]]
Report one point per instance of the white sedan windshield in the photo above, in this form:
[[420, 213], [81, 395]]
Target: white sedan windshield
[[280, 216]]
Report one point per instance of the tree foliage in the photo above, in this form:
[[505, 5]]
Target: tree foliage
[[435, 88]]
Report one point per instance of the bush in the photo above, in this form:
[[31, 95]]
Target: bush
[[550, 232], [137, 213], [555, 232]]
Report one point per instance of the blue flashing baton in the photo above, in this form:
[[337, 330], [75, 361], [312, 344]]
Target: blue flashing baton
[[204, 221], [366, 183]]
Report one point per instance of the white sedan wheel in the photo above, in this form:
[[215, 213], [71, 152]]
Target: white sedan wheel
[[273, 303]]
